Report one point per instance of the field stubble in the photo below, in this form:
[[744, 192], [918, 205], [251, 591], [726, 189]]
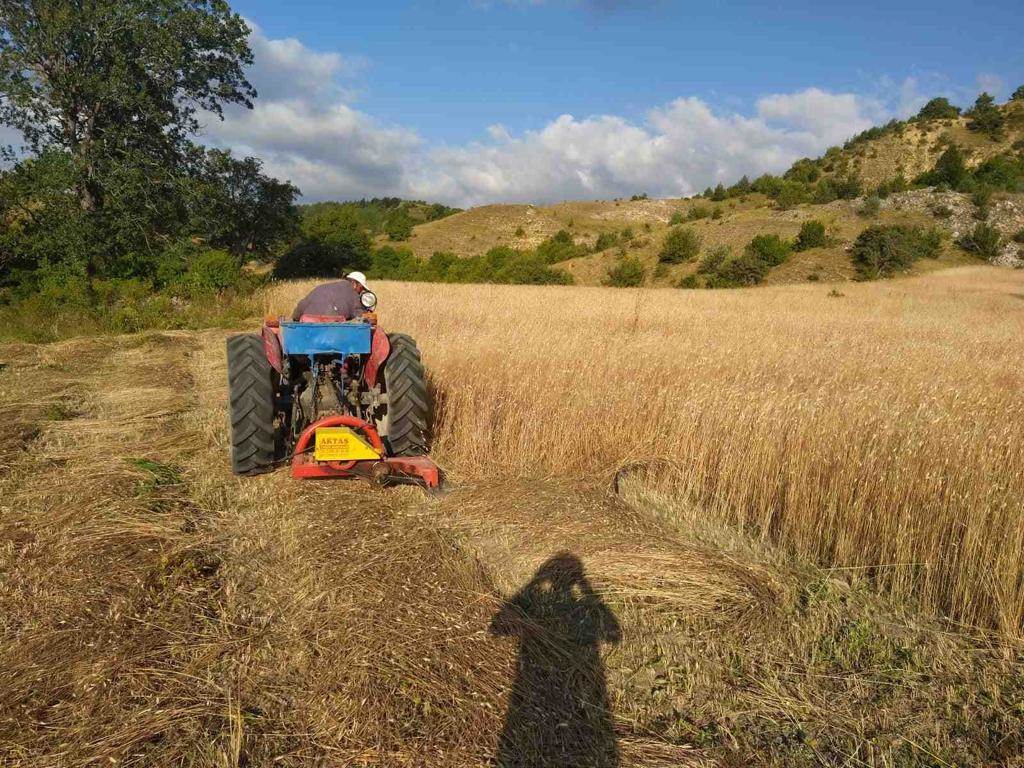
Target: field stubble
[[882, 429]]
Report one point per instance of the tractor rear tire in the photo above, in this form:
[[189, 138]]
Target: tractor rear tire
[[251, 394], [408, 399]]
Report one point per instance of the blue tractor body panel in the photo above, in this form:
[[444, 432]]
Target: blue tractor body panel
[[308, 339]]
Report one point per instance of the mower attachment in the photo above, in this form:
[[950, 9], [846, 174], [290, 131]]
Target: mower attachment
[[352, 437]]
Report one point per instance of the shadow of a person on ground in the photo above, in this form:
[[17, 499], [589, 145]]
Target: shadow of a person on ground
[[558, 713]]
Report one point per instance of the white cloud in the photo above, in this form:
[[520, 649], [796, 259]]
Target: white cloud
[[305, 130], [679, 149]]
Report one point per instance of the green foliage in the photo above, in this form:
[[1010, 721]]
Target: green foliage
[[983, 240], [719, 194], [559, 247], [399, 226], [772, 250], [1019, 237], [1003, 172], [714, 259], [233, 205], [877, 132], [681, 244], [743, 271], [982, 199], [986, 117], [883, 250], [606, 240], [812, 235], [112, 178], [1018, 95], [805, 171], [938, 108], [698, 211], [641, 196], [950, 169], [793, 193], [717, 213], [332, 255], [689, 281], [520, 232], [628, 273], [211, 271], [499, 265], [896, 184], [871, 207], [676, 219]]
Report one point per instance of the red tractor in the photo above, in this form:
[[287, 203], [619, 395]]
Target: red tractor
[[339, 398]]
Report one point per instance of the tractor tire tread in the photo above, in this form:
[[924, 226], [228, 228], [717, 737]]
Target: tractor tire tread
[[251, 405], [408, 398]]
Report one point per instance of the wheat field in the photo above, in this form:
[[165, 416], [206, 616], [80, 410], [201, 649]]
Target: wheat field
[[880, 429]]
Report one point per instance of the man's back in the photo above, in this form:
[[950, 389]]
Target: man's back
[[337, 299]]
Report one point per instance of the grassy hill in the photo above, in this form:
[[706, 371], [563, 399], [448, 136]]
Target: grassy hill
[[831, 189], [526, 226]]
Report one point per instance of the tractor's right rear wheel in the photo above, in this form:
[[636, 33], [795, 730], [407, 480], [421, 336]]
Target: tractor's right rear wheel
[[405, 381], [251, 394]]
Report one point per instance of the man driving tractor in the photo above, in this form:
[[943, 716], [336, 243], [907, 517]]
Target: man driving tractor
[[342, 298]]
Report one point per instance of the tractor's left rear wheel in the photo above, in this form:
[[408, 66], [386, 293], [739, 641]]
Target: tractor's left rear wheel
[[251, 394]]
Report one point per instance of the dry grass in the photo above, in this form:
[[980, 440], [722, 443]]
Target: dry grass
[[473, 232], [883, 428], [154, 610]]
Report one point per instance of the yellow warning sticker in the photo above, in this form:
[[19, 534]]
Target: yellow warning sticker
[[342, 444]]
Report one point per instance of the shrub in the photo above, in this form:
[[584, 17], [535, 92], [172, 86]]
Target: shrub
[[520, 232], [628, 273], [986, 117], [745, 270], [938, 109], [641, 196], [681, 244], [949, 169], [399, 226], [983, 240], [812, 235], [690, 281], [559, 247], [892, 186], [698, 211], [319, 258], [606, 240], [211, 272], [882, 250], [942, 211], [714, 259], [717, 213], [1018, 95], [982, 199], [719, 194], [1003, 171], [1019, 237], [793, 193], [772, 250], [871, 207], [677, 218]]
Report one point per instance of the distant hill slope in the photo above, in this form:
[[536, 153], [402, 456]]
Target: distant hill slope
[[910, 148], [479, 229], [883, 161]]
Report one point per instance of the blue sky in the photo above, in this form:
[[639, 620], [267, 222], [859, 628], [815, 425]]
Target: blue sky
[[489, 100]]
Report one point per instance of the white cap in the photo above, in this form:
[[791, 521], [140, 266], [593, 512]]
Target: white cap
[[359, 277]]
